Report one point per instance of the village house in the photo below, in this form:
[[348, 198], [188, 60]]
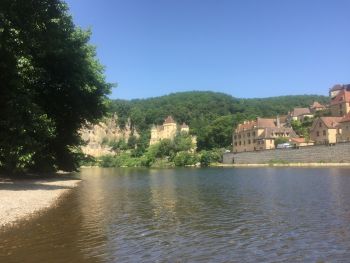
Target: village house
[[299, 114], [259, 134], [168, 130], [316, 106], [324, 130], [340, 104], [344, 129]]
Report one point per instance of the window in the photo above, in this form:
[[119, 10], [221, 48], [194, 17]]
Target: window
[[235, 137], [318, 134], [253, 133], [324, 132], [248, 141], [320, 124]]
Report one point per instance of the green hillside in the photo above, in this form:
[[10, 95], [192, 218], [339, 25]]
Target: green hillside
[[211, 115]]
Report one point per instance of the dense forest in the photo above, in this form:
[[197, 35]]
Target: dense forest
[[210, 115]]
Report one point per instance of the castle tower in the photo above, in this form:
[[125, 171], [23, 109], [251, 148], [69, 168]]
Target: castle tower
[[169, 127]]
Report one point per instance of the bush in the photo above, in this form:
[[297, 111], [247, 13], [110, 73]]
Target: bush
[[185, 158]]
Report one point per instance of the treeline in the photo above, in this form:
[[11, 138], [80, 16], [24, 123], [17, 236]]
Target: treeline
[[180, 151], [210, 115]]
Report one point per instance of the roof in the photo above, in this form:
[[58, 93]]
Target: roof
[[169, 119], [184, 125], [316, 104], [337, 87], [300, 111], [340, 87], [269, 132], [346, 118], [258, 123], [342, 96], [330, 122], [300, 140]]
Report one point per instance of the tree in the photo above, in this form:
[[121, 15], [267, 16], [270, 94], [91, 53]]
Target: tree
[[51, 84]]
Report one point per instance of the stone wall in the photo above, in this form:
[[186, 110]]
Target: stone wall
[[338, 153]]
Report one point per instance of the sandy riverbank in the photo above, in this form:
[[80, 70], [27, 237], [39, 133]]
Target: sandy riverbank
[[23, 198]]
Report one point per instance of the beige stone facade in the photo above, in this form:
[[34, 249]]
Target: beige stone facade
[[107, 130], [340, 103], [324, 130], [168, 130], [259, 134]]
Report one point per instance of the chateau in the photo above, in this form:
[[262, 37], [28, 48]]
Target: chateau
[[168, 130]]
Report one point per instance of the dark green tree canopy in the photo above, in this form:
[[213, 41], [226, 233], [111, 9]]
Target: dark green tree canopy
[[51, 83]]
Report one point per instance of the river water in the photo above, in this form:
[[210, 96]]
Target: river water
[[192, 215]]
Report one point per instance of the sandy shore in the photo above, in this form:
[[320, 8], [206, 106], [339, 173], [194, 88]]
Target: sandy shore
[[23, 198]]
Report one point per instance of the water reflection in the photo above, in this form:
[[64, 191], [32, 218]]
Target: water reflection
[[195, 215]]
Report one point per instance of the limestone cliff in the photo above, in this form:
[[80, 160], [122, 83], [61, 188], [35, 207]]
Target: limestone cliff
[[95, 136]]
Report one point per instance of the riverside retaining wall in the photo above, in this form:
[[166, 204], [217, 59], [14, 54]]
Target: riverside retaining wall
[[339, 153]]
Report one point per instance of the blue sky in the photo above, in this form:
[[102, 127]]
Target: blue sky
[[246, 48]]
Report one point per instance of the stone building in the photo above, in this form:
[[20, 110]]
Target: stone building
[[299, 114], [259, 134], [334, 91], [168, 130], [316, 106], [340, 104], [324, 130], [344, 129]]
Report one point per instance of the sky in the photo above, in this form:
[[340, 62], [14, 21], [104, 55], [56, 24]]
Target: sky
[[245, 48]]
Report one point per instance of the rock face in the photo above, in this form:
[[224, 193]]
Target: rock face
[[97, 135]]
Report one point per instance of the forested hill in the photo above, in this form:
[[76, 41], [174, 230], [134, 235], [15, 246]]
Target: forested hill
[[207, 113]]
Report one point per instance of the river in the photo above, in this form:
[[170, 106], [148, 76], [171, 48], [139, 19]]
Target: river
[[192, 215]]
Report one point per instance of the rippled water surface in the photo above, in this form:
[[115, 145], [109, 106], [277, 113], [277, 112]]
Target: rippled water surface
[[192, 215]]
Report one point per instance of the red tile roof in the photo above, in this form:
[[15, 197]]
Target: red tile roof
[[331, 122], [346, 118], [316, 105], [258, 123]]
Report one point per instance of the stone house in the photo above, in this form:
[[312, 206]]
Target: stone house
[[316, 106], [300, 114], [259, 134], [168, 130], [324, 130]]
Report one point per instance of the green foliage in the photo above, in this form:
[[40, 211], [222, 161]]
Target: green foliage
[[303, 128], [280, 140], [208, 157], [184, 158], [120, 160], [51, 83]]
